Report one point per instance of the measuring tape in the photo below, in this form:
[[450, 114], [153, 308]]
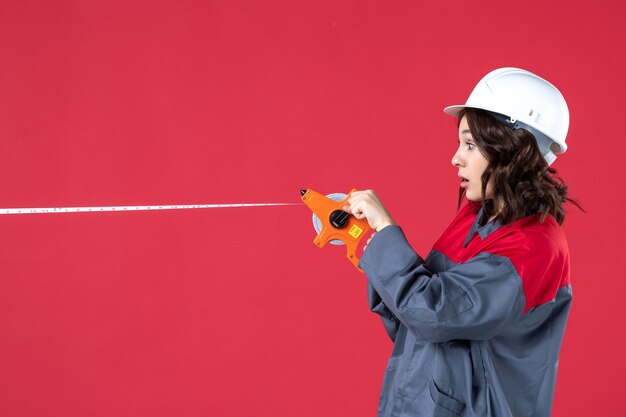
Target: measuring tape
[[52, 210], [332, 224]]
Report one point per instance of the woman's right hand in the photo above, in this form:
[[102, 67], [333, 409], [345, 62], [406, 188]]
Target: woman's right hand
[[367, 205]]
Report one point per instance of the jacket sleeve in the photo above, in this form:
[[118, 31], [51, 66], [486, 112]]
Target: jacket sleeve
[[377, 306], [474, 300]]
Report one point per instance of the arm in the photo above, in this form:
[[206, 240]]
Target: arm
[[473, 300], [377, 306], [390, 322]]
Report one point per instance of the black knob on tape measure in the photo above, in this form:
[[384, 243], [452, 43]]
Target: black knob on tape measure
[[339, 218]]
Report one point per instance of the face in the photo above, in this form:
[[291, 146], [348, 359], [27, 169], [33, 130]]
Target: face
[[471, 164]]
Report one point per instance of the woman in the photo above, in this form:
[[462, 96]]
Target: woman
[[477, 326]]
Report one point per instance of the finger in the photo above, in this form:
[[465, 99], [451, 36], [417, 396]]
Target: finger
[[355, 196], [352, 209]]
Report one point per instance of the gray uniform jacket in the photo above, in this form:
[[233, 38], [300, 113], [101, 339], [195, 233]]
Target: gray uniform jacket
[[477, 326]]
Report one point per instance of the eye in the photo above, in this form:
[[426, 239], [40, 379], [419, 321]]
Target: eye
[[470, 145]]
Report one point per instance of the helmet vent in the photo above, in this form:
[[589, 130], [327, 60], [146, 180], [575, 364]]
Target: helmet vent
[[554, 147], [533, 115]]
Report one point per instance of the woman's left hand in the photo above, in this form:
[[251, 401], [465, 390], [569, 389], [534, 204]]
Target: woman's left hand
[[367, 205]]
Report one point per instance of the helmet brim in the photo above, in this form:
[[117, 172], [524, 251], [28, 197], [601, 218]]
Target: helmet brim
[[453, 110], [456, 110]]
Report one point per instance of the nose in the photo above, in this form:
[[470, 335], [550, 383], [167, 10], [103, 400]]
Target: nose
[[456, 160]]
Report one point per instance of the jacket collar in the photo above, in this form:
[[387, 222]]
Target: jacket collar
[[483, 231]]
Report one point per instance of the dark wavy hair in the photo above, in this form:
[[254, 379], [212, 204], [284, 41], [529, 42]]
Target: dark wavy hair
[[523, 183]]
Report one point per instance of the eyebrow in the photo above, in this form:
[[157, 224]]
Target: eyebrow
[[465, 131]]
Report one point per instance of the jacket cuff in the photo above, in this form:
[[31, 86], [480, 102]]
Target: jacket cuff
[[388, 251]]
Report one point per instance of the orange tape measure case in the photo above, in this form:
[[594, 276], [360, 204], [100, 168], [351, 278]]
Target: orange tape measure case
[[336, 224]]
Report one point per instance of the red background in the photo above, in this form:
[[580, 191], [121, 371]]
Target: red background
[[234, 312]]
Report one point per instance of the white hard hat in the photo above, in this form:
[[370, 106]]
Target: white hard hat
[[523, 100]]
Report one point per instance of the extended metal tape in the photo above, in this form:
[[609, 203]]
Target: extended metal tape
[[53, 210]]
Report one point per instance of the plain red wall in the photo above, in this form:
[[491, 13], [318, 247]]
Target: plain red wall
[[234, 312]]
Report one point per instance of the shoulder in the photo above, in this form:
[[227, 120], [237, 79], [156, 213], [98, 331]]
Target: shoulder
[[530, 240], [538, 250]]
